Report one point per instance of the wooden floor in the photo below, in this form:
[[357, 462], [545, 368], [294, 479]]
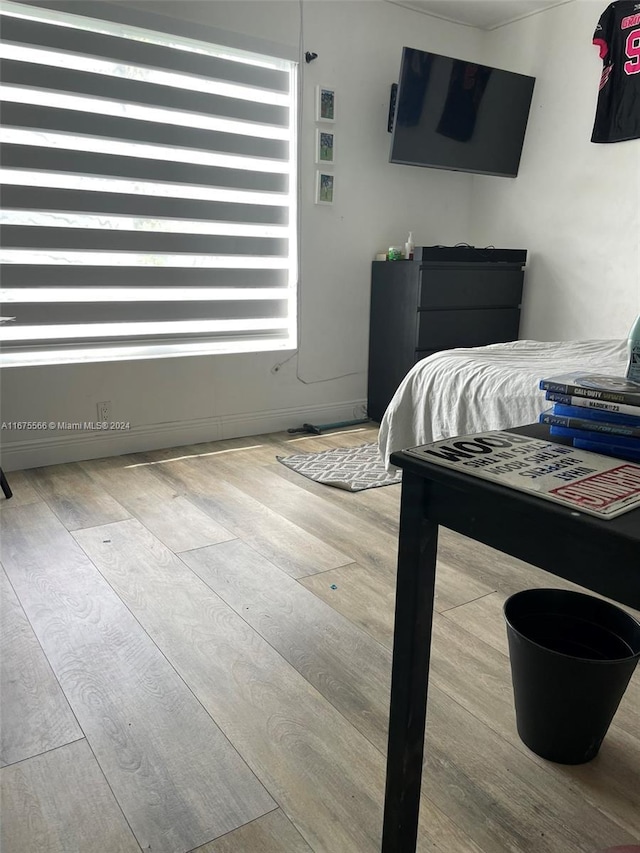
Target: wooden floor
[[196, 650]]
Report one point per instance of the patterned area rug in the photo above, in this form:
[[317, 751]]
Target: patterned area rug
[[350, 468]]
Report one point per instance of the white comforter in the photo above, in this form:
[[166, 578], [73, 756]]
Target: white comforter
[[462, 391]]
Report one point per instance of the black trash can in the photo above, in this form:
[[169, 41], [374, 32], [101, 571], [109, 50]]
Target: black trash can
[[572, 656]]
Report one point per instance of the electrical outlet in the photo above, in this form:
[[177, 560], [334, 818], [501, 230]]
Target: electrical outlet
[[104, 411]]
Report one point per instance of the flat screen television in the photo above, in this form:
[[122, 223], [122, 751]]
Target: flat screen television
[[454, 114]]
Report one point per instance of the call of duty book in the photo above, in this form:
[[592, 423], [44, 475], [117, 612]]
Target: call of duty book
[[595, 386]]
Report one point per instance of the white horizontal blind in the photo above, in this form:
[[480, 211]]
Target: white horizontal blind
[[148, 192]]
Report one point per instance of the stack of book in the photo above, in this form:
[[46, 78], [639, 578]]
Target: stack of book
[[599, 413]]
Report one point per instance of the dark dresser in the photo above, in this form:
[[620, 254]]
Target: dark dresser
[[447, 297]]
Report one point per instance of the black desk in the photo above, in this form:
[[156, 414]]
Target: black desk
[[603, 556]]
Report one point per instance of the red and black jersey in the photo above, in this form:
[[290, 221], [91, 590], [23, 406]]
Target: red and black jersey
[[618, 37]]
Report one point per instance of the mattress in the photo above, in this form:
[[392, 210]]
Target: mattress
[[462, 391]]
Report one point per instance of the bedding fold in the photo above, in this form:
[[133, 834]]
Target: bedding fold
[[463, 391]]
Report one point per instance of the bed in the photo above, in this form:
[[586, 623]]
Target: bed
[[462, 391]]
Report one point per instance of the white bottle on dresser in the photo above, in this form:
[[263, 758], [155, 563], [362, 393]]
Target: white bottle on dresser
[[409, 247]]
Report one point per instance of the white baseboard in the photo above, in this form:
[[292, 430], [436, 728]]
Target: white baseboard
[[74, 447]]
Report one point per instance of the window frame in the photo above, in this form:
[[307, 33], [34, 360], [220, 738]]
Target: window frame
[[159, 345]]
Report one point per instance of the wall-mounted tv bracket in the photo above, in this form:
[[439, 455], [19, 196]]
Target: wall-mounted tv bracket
[[392, 106]]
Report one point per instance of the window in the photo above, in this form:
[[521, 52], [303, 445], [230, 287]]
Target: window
[[148, 190]]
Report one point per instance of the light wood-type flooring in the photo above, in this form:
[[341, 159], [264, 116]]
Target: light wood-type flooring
[[196, 651]]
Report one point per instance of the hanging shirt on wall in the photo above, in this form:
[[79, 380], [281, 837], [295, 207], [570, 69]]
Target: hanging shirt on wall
[[618, 37]]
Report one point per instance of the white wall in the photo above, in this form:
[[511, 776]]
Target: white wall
[[575, 205], [174, 401]]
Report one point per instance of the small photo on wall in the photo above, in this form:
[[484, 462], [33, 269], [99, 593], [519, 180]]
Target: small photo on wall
[[325, 104], [325, 145], [325, 188]]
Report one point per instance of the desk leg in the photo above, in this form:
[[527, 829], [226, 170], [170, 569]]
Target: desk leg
[[4, 485], [417, 547]]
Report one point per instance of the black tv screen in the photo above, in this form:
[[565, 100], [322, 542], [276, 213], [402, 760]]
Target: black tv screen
[[454, 114]]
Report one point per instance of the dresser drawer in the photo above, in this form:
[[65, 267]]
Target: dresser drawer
[[470, 288], [473, 327]]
